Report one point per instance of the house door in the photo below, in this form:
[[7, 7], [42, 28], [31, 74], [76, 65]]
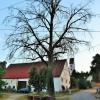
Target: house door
[[21, 84]]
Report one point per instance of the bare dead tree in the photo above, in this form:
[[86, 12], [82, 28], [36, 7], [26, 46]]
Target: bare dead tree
[[46, 30]]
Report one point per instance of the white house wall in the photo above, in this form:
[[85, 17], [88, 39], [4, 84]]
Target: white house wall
[[65, 76], [57, 84], [14, 82]]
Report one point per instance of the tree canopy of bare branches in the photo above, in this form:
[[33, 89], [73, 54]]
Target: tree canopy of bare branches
[[46, 29]]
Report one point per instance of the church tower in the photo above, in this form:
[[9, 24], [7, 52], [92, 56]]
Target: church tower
[[71, 64]]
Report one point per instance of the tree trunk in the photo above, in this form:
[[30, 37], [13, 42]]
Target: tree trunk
[[50, 81]]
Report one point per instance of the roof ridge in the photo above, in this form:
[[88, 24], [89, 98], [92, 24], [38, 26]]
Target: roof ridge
[[15, 70], [33, 62]]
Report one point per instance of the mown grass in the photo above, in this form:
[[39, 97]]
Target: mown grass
[[75, 90], [24, 97], [59, 96], [4, 96]]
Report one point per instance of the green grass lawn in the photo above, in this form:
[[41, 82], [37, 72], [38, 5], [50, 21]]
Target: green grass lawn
[[25, 98], [4, 96]]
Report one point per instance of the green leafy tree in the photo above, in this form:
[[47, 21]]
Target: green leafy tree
[[95, 68], [82, 83], [79, 79], [2, 71], [74, 82], [38, 79], [3, 64], [2, 83]]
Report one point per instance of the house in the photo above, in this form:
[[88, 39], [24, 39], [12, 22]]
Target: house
[[17, 75]]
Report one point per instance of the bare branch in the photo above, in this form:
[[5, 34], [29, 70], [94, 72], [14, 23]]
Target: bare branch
[[35, 29]]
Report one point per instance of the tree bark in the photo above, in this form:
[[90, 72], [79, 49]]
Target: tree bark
[[50, 81]]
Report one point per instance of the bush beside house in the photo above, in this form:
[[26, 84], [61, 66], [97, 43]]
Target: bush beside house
[[38, 79]]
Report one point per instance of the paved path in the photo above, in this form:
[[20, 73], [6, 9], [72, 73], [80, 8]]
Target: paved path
[[83, 96]]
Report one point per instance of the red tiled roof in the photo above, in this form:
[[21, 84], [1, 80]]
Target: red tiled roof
[[21, 70]]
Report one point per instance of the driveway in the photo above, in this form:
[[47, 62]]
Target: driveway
[[84, 95]]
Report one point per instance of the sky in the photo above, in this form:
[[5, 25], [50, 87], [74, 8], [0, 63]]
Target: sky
[[84, 56]]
